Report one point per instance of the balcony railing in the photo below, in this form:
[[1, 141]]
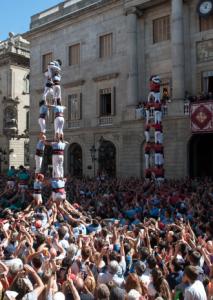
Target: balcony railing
[[105, 121], [140, 113], [186, 108], [74, 124]]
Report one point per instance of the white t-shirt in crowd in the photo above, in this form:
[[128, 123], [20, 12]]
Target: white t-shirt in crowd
[[195, 291]]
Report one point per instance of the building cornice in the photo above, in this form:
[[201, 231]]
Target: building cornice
[[142, 4], [106, 77], [62, 20], [73, 84], [14, 59]]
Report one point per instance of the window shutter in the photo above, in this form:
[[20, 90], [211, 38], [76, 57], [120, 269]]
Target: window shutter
[[98, 99], [113, 101], [79, 112], [66, 111]]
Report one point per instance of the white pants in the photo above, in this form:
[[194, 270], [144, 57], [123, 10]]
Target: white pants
[[147, 161], [42, 124], [154, 95], [158, 116], [58, 168], [147, 116], [58, 196], [56, 93], [59, 125], [159, 159], [47, 91], [38, 161], [37, 197], [147, 136], [158, 137], [160, 180]]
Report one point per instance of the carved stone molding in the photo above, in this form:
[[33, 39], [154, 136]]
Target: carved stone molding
[[73, 84], [10, 100], [134, 10], [106, 77]]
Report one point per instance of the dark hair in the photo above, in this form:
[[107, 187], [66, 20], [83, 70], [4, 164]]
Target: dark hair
[[194, 258], [151, 262], [42, 102], [177, 265], [144, 253], [58, 101], [59, 61], [191, 273], [37, 263], [86, 252], [61, 233]]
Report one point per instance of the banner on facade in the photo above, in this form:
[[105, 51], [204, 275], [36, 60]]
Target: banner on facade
[[201, 117]]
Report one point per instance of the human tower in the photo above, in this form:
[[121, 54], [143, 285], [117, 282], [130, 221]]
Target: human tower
[[154, 151], [53, 90]]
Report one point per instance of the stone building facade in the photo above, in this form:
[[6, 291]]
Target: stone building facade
[[109, 50], [14, 99]]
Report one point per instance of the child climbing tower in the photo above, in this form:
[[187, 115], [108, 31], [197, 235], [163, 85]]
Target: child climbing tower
[[154, 151]]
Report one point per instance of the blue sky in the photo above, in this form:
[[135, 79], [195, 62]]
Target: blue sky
[[15, 14]]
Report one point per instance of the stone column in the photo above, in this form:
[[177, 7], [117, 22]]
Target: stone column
[[177, 44], [131, 43]]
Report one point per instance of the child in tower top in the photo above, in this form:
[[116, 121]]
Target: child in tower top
[[155, 88], [53, 68], [43, 113]]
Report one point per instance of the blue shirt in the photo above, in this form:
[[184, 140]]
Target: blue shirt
[[58, 146], [57, 184], [40, 145], [11, 173], [37, 185], [23, 175], [58, 109], [43, 110]]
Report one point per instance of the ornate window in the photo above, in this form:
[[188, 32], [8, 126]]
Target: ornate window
[[74, 107], [10, 117]]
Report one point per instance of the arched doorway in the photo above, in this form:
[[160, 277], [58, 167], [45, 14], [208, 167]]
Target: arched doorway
[[107, 158], [75, 160], [201, 155]]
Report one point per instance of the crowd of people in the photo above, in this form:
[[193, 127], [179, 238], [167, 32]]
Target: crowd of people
[[109, 239]]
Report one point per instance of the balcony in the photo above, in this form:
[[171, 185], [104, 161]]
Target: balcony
[[105, 121], [140, 113], [74, 124]]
